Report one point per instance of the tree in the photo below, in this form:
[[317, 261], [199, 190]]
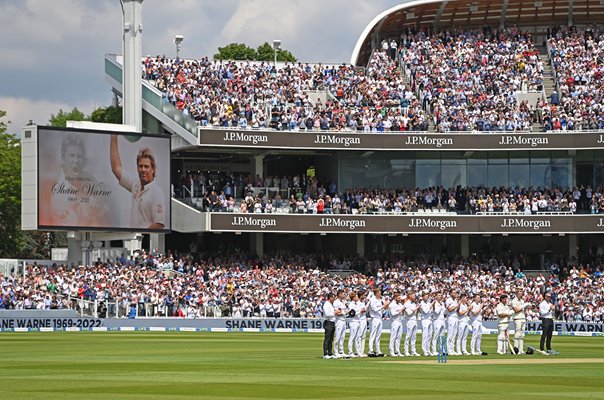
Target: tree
[[107, 115], [266, 53], [235, 51], [11, 236], [60, 120]]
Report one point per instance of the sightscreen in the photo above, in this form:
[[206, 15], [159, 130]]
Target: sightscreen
[[99, 180]]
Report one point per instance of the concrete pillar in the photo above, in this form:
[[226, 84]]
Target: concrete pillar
[[257, 243], [572, 245], [74, 251], [361, 244], [133, 49], [465, 246], [158, 241], [257, 166]]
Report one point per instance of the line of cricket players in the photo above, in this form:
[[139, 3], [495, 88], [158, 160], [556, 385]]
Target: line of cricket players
[[454, 316]]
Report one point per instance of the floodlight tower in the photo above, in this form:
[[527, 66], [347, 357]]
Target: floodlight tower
[[131, 77], [276, 46], [178, 42]]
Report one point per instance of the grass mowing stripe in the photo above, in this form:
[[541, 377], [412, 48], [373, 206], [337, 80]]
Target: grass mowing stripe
[[68, 365]]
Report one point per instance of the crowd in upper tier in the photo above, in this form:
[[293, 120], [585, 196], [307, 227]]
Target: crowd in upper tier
[[293, 286], [578, 59], [448, 80]]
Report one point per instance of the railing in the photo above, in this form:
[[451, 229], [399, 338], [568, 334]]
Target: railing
[[522, 213]]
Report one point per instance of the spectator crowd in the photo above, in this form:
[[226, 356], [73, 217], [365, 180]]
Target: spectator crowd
[[292, 286]]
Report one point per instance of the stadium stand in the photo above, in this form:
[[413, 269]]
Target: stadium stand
[[289, 286]]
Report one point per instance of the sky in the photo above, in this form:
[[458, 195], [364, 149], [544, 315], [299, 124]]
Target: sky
[[53, 50]]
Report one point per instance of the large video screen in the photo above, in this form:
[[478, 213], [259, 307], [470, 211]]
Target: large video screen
[[103, 180]]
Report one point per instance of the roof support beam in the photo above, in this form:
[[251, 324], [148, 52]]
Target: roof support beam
[[570, 12], [504, 12], [439, 13]]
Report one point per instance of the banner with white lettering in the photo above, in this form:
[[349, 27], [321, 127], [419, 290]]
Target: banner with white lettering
[[399, 223], [458, 141]]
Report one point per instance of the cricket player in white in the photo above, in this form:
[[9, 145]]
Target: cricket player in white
[[476, 321], [376, 306], [425, 309], [452, 305], [340, 311], [463, 326], [396, 326], [361, 338], [411, 310], [504, 312], [354, 325], [438, 322], [519, 318]]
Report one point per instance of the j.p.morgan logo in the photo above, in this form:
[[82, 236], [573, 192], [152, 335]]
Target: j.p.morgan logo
[[523, 140], [428, 141], [336, 139], [351, 224], [244, 137], [525, 223], [431, 223], [254, 222]]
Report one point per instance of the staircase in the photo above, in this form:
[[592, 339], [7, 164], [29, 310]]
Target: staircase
[[549, 84]]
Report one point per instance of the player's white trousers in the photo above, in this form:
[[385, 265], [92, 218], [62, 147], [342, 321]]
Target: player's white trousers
[[354, 326], [396, 332], [339, 336], [452, 324], [476, 341], [438, 329], [426, 336], [462, 336], [519, 327], [362, 336], [502, 339], [411, 336], [375, 335]]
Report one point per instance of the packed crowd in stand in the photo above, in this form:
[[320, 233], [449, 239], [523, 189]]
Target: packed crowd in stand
[[258, 95], [469, 79], [578, 60], [303, 195], [454, 80], [294, 286]]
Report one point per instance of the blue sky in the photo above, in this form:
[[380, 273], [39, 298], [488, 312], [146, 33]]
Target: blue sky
[[52, 50]]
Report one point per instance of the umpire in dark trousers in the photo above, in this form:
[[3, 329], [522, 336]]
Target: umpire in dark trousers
[[546, 314], [329, 325]]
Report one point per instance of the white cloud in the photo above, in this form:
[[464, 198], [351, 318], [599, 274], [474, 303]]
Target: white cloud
[[19, 111]]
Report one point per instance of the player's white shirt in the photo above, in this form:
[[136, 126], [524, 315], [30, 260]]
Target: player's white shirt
[[328, 311], [519, 303], [451, 302], [425, 310], [474, 307], [363, 313], [396, 310], [375, 307], [339, 305], [439, 311], [357, 307], [411, 308], [464, 317], [502, 309], [147, 204]]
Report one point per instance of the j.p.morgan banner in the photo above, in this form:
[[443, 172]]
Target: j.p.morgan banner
[[334, 223], [400, 141]]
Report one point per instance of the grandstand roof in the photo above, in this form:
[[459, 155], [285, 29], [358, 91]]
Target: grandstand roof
[[534, 16]]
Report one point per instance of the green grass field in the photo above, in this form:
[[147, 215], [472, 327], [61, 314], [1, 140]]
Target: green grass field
[[88, 365]]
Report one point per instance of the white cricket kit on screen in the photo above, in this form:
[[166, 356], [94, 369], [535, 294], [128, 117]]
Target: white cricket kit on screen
[[375, 313], [147, 203], [452, 324], [476, 321], [425, 311], [396, 327], [340, 328]]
